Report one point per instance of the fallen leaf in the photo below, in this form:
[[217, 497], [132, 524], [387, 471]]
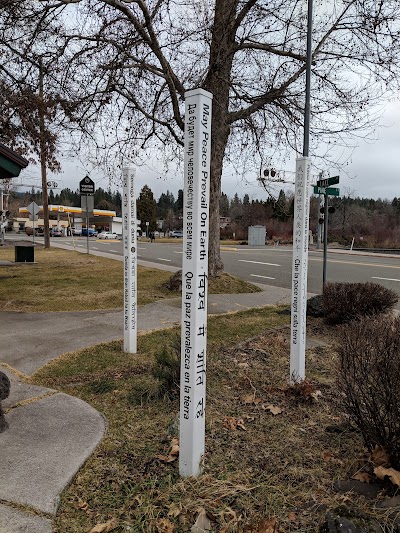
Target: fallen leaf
[[174, 446], [267, 526], [105, 527], [317, 394], [292, 517], [174, 511], [243, 365], [380, 457], [240, 424], [165, 526], [327, 456], [391, 473], [173, 452], [84, 506], [163, 458], [272, 409], [202, 524], [230, 422], [249, 398], [362, 476]]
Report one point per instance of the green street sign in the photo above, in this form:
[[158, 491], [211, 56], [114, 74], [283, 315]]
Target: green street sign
[[328, 181], [330, 191]]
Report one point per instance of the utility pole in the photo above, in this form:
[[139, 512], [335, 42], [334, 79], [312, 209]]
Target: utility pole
[[43, 158]]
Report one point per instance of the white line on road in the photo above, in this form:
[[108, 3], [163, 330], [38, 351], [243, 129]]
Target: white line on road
[[178, 252], [162, 259], [142, 248], [386, 279], [257, 276], [259, 263], [93, 248]]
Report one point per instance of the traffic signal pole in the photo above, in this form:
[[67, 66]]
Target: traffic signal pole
[[325, 238]]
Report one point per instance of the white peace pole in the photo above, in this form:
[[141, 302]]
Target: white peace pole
[[299, 269], [195, 281], [130, 259]]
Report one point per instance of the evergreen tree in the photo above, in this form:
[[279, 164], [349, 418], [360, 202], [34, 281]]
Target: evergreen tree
[[179, 203], [224, 205], [147, 209]]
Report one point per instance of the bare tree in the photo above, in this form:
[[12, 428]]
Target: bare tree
[[131, 63]]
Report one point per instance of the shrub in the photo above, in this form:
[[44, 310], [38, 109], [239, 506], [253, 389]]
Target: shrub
[[369, 381], [344, 302], [166, 368], [315, 306]]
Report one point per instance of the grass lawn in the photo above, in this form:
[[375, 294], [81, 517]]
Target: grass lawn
[[271, 459], [64, 280]]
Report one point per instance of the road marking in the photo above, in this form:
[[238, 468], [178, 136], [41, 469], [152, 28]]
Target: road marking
[[162, 259], [386, 279], [257, 276], [177, 252], [93, 248], [142, 248], [376, 265], [259, 263]]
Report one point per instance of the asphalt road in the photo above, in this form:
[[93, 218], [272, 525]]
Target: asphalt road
[[269, 265]]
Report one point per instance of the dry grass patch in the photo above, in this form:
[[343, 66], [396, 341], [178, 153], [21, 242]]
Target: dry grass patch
[[63, 280], [271, 458]]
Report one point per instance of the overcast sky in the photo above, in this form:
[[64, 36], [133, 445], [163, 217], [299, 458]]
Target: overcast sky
[[373, 170]]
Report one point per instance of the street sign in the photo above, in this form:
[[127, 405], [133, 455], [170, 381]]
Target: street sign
[[330, 191], [86, 186], [87, 204], [33, 209], [328, 181]]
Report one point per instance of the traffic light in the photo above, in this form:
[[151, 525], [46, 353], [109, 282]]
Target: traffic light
[[269, 172], [331, 209]]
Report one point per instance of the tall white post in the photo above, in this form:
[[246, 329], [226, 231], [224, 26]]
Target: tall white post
[[195, 281], [300, 269], [129, 225]]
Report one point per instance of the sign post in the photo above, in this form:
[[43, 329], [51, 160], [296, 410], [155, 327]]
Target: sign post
[[299, 269], [86, 189], [33, 210], [130, 259], [195, 281]]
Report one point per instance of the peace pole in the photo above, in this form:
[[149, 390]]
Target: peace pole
[[300, 233], [195, 281]]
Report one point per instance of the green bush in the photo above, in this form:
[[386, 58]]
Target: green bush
[[343, 302], [167, 367], [369, 381]]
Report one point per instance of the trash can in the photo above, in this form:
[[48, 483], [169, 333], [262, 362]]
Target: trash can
[[24, 254]]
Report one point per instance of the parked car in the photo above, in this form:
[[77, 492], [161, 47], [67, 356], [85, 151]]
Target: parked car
[[107, 235], [177, 234], [92, 232], [38, 231], [54, 232], [76, 232]]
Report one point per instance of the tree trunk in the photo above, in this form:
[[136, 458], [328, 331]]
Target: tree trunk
[[218, 83], [43, 161]]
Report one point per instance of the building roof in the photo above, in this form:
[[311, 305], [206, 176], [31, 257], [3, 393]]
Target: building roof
[[11, 163]]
